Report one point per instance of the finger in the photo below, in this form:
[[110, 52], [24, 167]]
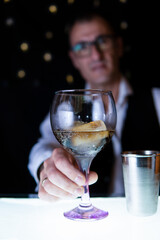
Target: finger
[[62, 182], [63, 162], [42, 194], [71, 170], [52, 189], [65, 187], [93, 177], [49, 192]]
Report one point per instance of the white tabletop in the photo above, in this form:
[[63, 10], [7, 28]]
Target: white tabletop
[[27, 219]]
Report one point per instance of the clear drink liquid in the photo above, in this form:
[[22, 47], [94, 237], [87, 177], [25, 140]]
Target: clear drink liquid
[[83, 145]]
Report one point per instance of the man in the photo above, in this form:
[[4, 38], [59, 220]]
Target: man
[[95, 51]]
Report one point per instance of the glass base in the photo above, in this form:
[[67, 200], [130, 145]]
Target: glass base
[[86, 213]]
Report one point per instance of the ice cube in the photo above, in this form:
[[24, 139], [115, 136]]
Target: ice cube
[[89, 133], [98, 125]]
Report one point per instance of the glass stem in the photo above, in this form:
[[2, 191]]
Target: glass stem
[[85, 199]]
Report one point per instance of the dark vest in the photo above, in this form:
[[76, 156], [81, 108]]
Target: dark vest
[[141, 131]]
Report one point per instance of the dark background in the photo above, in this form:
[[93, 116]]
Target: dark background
[[29, 76]]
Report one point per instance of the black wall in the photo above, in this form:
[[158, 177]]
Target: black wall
[[31, 72]]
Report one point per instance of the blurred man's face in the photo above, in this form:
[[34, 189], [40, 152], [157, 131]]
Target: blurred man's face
[[97, 62]]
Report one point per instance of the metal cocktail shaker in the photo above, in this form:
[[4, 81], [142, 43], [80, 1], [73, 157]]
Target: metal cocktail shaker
[[141, 171]]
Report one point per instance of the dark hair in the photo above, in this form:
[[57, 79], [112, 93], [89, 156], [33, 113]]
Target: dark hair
[[88, 15]]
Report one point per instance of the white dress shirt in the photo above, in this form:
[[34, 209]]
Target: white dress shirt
[[45, 145]]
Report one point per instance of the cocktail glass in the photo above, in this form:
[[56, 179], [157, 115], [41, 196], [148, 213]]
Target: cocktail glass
[[83, 121]]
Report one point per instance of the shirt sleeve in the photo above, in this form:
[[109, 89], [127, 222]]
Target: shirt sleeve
[[43, 148], [156, 99]]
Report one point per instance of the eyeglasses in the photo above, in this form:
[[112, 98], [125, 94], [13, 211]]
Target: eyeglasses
[[102, 43]]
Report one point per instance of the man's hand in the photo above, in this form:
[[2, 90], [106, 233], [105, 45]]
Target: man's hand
[[60, 177]]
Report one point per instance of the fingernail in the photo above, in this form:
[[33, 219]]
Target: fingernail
[[78, 192], [79, 180]]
